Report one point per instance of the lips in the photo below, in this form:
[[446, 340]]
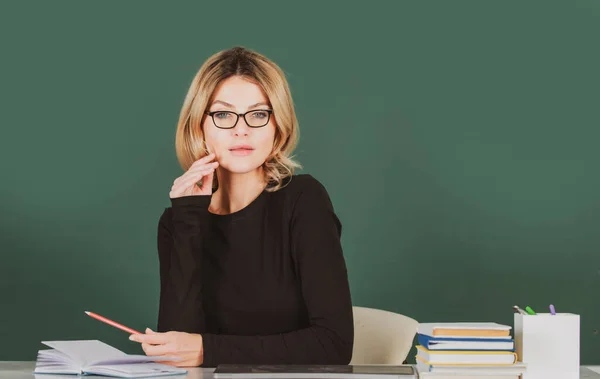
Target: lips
[[241, 148]]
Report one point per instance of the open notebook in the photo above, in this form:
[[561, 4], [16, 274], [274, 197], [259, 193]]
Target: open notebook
[[93, 357]]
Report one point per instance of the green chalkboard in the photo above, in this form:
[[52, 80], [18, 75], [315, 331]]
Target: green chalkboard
[[458, 141]]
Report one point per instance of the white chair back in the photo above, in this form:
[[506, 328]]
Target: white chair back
[[381, 337]]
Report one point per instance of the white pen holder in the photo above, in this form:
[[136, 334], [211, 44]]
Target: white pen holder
[[548, 344]]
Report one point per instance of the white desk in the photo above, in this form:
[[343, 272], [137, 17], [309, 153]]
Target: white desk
[[24, 370]]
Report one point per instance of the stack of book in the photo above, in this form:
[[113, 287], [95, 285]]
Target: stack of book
[[471, 350]]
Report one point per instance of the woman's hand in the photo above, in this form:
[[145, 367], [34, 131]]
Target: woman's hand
[[186, 346], [186, 185]]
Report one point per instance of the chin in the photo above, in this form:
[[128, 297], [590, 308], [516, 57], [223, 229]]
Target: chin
[[241, 167]]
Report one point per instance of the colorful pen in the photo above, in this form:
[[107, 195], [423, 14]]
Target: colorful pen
[[552, 310], [516, 309], [529, 310], [112, 323]]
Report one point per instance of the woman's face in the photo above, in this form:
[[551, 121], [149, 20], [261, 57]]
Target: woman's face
[[241, 149]]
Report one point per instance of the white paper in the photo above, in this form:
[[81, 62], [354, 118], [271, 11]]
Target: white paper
[[96, 357]]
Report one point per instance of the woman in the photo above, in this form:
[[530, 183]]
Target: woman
[[251, 265]]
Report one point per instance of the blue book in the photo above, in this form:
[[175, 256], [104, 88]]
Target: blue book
[[473, 344]]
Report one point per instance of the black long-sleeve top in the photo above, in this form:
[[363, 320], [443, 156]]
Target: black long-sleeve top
[[265, 284]]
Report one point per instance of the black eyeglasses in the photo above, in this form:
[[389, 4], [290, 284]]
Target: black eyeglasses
[[227, 119]]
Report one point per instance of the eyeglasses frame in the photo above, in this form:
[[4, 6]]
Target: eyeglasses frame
[[269, 112]]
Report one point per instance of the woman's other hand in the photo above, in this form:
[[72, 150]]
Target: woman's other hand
[[186, 346], [186, 185]]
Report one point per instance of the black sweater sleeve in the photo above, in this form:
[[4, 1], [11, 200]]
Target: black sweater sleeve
[[320, 265], [180, 238]]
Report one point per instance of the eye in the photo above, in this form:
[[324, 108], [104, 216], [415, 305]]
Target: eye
[[261, 115], [222, 115]]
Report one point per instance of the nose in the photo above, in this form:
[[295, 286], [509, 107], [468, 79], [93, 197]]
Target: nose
[[241, 128]]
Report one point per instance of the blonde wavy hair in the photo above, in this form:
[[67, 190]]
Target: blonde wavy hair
[[239, 61]]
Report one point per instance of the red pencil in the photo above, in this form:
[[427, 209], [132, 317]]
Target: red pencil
[[111, 322]]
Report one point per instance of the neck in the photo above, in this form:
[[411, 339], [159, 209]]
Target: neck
[[236, 191]]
